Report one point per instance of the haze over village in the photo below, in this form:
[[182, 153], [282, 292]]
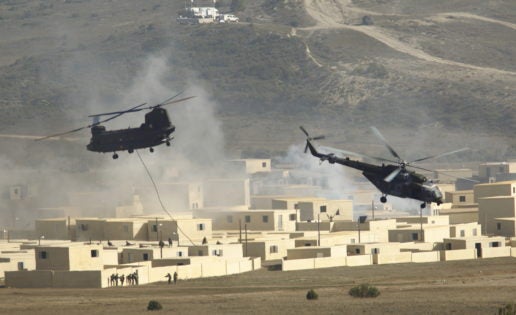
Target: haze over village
[[233, 201]]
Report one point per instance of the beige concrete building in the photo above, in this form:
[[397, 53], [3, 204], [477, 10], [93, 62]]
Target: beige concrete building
[[218, 250], [89, 229], [325, 210], [493, 169], [125, 229], [254, 220], [183, 231], [71, 257], [316, 252], [268, 250], [376, 231], [56, 229], [150, 253], [496, 207], [507, 188], [484, 246], [250, 166], [460, 199]]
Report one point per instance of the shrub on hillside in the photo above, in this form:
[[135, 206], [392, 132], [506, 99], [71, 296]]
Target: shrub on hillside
[[364, 291], [154, 306], [312, 295], [509, 309]]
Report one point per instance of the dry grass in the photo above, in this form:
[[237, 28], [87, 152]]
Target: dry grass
[[465, 287]]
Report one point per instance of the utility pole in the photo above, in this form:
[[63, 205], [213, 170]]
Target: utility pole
[[245, 227], [157, 236], [318, 229]]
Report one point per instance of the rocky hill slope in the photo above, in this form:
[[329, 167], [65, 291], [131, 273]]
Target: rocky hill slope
[[433, 75]]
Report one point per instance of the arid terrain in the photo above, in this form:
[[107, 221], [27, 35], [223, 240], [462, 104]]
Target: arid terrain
[[460, 287]]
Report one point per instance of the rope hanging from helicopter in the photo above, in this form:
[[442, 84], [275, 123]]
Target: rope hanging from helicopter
[[159, 197]]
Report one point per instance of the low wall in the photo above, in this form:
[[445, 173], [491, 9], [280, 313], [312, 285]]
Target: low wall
[[458, 254], [496, 252], [298, 264], [359, 260], [513, 251], [402, 257], [29, 279], [422, 257]]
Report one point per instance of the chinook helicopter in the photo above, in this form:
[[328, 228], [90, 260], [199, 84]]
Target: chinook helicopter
[[391, 179], [156, 130]]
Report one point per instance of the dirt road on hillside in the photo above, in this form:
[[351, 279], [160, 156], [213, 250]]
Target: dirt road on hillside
[[333, 14]]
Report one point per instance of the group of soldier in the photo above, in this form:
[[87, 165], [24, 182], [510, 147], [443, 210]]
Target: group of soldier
[[114, 279], [171, 277]]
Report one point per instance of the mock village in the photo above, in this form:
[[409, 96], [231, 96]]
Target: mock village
[[274, 217]]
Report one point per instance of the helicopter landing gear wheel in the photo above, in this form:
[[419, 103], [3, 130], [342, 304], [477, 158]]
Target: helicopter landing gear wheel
[[383, 199], [151, 150], [115, 156], [168, 143], [423, 205]]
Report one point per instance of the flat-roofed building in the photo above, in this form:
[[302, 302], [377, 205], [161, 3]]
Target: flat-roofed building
[[325, 210], [378, 229], [491, 170], [485, 246], [507, 188], [149, 253], [250, 166], [87, 229], [71, 257], [494, 215], [55, 229], [460, 199], [185, 231], [255, 220], [413, 232], [460, 215], [465, 230], [126, 229], [219, 250], [268, 250], [316, 252]]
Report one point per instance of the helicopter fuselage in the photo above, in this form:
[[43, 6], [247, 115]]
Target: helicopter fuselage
[[156, 130], [406, 184]]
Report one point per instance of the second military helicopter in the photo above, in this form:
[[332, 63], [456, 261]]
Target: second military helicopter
[[391, 179]]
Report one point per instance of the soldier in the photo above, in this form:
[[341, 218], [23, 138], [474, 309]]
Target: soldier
[[122, 279], [135, 277], [204, 240], [175, 277], [116, 279], [169, 278], [169, 242], [130, 279]]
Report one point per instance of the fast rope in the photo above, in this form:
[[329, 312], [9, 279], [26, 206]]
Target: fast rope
[[159, 198]]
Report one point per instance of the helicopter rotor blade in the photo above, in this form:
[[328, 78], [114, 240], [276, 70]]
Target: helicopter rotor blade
[[347, 153], [132, 109], [61, 134], [392, 175], [440, 155], [379, 135], [308, 138], [304, 131]]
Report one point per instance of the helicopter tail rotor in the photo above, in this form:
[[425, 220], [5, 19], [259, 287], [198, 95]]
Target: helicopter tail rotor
[[308, 138]]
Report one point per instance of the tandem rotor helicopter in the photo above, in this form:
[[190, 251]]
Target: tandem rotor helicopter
[[391, 179], [156, 130]]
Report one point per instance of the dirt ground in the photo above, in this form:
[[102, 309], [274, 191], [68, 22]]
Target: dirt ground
[[460, 287]]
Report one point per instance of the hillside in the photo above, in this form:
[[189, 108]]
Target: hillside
[[433, 76]]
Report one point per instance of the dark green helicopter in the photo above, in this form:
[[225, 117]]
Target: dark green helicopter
[[391, 179]]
